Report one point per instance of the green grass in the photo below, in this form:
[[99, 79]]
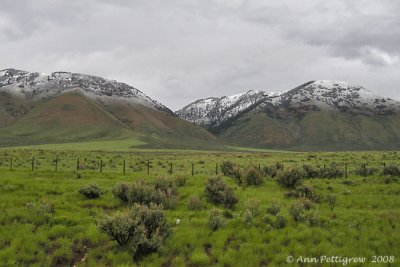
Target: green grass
[[106, 145], [364, 223], [129, 144], [251, 149]]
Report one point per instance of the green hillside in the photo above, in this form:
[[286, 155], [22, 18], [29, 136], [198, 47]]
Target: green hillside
[[317, 130], [72, 117], [11, 108]]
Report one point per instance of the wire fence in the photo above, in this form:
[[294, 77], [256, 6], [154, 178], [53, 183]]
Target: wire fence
[[164, 165]]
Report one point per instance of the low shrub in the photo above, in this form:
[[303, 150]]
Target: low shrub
[[301, 211], [313, 218], [145, 193], [247, 217], [165, 185], [41, 208], [297, 209], [311, 172], [274, 208], [279, 222], [346, 192], [120, 191], [143, 228], [251, 210], [162, 191], [307, 203], [270, 171], [64, 220], [348, 182], [279, 166], [229, 169], [11, 187], [122, 227], [268, 219], [304, 191], [276, 222], [228, 214], [390, 179], [290, 178], [331, 199], [392, 170], [216, 219], [365, 171], [218, 192], [253, 205], [194, 203], [180, 181], [91, 191], [253, 176], [332, 172]]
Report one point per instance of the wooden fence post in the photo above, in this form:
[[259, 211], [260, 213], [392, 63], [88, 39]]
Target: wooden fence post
[[192, 169], [124, 168], [148, 167], [56, 168], [101, 166], [345, 170], [216, 169], [365, 170], [33, 163], [77, 166], [170, 169]]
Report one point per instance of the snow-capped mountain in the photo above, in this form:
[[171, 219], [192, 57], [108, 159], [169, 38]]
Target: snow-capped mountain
[[320, 95], [59, 107], [214, 110], [35, 85], [336, 95], [317, 115]]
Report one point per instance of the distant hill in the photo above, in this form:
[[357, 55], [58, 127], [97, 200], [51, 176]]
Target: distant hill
[[318, 115], [40, 108]]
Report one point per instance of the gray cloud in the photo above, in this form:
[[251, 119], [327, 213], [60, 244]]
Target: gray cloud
[[180, 50]]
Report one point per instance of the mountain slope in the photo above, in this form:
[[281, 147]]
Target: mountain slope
[[213, 111], [36, 85], [68, 117], [318, 115], [11, 108], [38, 108], [341, 96]]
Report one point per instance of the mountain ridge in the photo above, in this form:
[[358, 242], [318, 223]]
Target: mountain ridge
[[205, 111], [62, 107], [39, 84], [317, 115], [59, 107]]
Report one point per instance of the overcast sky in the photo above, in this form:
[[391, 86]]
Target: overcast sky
[[177, 51]]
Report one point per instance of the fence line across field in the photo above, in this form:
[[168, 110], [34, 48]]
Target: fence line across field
[[13, 163]]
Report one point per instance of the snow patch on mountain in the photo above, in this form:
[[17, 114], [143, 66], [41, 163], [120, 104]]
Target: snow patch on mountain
[[321, 94], [46, 85], [335, 95], [214, 110]]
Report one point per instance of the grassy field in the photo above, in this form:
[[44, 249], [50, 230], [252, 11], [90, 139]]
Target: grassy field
[[46, 222], [128, 144]]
